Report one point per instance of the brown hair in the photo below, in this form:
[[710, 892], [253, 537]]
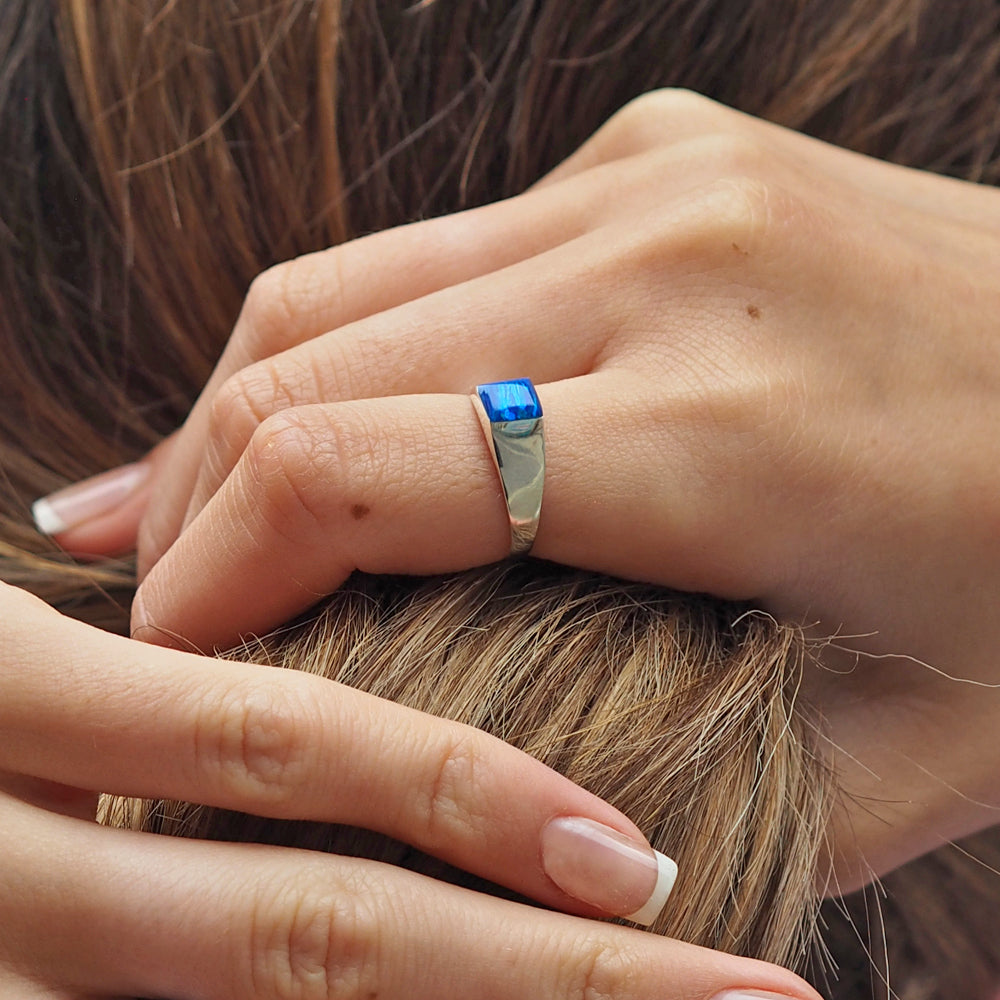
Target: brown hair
[[621, 687], [158, 156], [681, 711]]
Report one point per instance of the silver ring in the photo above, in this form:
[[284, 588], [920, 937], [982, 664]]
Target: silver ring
[[511, 416]]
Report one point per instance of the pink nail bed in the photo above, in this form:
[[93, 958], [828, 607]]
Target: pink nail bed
[[600, 866], [81, 502]]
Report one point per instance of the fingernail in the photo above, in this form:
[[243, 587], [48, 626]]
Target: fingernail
[[140, 617], [602, 867], [82, 502]]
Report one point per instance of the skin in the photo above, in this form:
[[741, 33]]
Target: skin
[[87, 911], [769, 372]]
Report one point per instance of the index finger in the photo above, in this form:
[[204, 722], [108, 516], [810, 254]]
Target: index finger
[[102, 712]]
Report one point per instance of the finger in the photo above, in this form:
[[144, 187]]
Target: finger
[[447, 342], [98, 711], [145, 916], [552, 316], [100, 516], [303, 298], [386, 486], [400, 484], [50, 795], [407, 485], [300, 301]]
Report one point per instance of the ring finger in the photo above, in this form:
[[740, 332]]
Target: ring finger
[[406, 484]]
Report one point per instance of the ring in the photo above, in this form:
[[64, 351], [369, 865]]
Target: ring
[[511, 416]]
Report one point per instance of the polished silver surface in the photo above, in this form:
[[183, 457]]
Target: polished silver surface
[[518, 450]]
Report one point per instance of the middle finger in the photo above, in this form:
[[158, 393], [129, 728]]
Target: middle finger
[[481, 331]]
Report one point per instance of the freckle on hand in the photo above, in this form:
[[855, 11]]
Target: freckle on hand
[[753, 311], [359, 511]]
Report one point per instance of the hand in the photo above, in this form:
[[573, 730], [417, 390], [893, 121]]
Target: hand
[[769, 370], [91, 911]]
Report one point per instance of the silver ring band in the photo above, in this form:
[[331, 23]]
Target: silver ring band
[[511, 417]]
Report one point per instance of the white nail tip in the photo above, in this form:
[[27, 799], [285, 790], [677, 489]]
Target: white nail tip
[[47, 520], [665, 878]]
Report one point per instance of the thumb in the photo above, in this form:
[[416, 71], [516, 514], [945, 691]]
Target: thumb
[[100, 516]]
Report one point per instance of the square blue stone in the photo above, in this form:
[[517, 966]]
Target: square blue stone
[[513, 400]]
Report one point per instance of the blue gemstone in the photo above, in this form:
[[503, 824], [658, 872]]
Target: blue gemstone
[[513, 400]]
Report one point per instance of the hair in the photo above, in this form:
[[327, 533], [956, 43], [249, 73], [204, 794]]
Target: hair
[[160, 155]]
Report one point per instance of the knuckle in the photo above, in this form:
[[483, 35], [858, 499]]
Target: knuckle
[[720, 225], [243, 402], [739, 422], [309, 465], [260, 743], [738, 217], [741, 403], [759, 208], [734, 154], [596, 970], [287, 303], [653, 118], [663, 104], [252, 395], [312, 944], [269, 310], [672, 103], [449, 807], [733, 410], [288, 465], [736, 210]]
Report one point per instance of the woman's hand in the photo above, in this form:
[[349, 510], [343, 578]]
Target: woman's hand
[[768, 366], [91, 911], [770, 370]]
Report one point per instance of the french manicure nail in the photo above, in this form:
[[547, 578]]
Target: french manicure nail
[[82, 502], [600, 866]]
